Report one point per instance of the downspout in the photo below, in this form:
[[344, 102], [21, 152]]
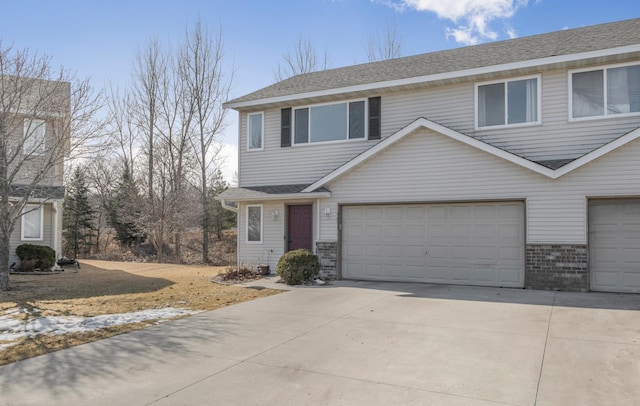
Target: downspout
[[56, 240], [319, 219]]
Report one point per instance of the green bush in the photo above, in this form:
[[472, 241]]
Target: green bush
[[298, 267], [37, 256]]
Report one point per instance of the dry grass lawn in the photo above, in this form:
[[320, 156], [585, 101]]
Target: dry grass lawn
[[102, 287]]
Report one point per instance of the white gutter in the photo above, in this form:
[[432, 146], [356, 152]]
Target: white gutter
[[227, 206], [439, 76]]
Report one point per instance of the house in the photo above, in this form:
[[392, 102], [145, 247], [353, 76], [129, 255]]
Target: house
[[512, 164], [38, 127]]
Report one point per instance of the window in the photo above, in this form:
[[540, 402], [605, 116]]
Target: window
[[32, 222], [254, 224], [255, 131], [512, 102], [605, 92], [34, 131], [330, 122]]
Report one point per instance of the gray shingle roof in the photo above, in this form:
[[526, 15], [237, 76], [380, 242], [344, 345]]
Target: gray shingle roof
[[556, 43], [281, 189]]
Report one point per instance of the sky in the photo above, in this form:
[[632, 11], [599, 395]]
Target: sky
[[99, 39]]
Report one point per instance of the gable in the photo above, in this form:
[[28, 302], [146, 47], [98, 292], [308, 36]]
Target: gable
[[543, 168]]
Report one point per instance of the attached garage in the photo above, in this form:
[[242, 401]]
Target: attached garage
[[454, 243], [614, 245]]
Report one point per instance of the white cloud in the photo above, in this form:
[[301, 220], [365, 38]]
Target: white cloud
[[472, 17]]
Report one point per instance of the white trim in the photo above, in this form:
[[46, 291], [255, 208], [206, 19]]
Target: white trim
[[538, 121], [29, 208], [246, 228], [525, 163], [249, 149], [604, 69], [440, 76], [270, 197]]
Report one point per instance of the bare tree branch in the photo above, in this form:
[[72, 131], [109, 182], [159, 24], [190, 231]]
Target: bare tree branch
[[305, 59]]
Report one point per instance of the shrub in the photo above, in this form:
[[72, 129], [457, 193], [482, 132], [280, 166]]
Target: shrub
[[43, 257], [298, 267]]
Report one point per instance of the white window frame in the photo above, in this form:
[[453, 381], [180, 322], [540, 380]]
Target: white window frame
[[261, 114], [604, 69], [506, 104], [261, 224], [28, 145], [28, 209], [347, 139]]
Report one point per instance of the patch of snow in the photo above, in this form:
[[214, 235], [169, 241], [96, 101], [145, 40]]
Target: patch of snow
[[12, 329]]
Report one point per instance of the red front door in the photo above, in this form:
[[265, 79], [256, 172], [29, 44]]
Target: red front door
[[300, 228]]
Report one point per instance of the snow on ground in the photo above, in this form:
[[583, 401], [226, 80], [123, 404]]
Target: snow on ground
[[12, 330]]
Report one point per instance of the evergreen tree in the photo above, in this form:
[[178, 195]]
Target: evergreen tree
[[78, 226], [124, 211]]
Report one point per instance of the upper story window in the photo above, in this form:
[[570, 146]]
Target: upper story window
[[605, 92], [509, 102], [329, 122], [255, 131], [32, 223], [34, 131]]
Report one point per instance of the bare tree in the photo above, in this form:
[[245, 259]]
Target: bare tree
[[150, 64], [305, 59], [46, 117], [385, 46], [122, 129], [201, 68]]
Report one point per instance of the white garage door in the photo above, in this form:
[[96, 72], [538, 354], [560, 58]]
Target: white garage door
[[465, 243], [614, 245]]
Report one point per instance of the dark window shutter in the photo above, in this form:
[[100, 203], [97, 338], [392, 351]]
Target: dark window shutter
[[374, 118], [285, 127]]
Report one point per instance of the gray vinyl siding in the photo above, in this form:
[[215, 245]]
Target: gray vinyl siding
[[297, 164], [47, 231], [429, 167], [449, 105], [273, 234], [556, 138]]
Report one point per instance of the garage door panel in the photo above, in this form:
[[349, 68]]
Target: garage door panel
[[484, 231], [614, 244], [412, 232], [436, 212], [352, 250], [393, 251], [510, 275], [416, 213], [513, 254], [469, 243]]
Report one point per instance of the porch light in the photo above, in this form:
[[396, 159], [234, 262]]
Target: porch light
[[275, 214], [327, 212]]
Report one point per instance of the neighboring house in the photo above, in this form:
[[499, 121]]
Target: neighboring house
[[514, 163], [40, 128]]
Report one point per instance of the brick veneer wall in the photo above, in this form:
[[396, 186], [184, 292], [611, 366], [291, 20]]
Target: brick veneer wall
[[557, 267], [327, 252]]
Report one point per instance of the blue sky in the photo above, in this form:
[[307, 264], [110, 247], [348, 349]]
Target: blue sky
[[99, 38]]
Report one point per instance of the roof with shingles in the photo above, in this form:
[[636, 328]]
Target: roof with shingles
[[558, 43]]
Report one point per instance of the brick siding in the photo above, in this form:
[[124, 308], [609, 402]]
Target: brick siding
[[557, 267], [327, 252]]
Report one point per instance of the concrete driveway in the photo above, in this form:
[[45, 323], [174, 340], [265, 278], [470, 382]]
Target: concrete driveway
[[359, 343]]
